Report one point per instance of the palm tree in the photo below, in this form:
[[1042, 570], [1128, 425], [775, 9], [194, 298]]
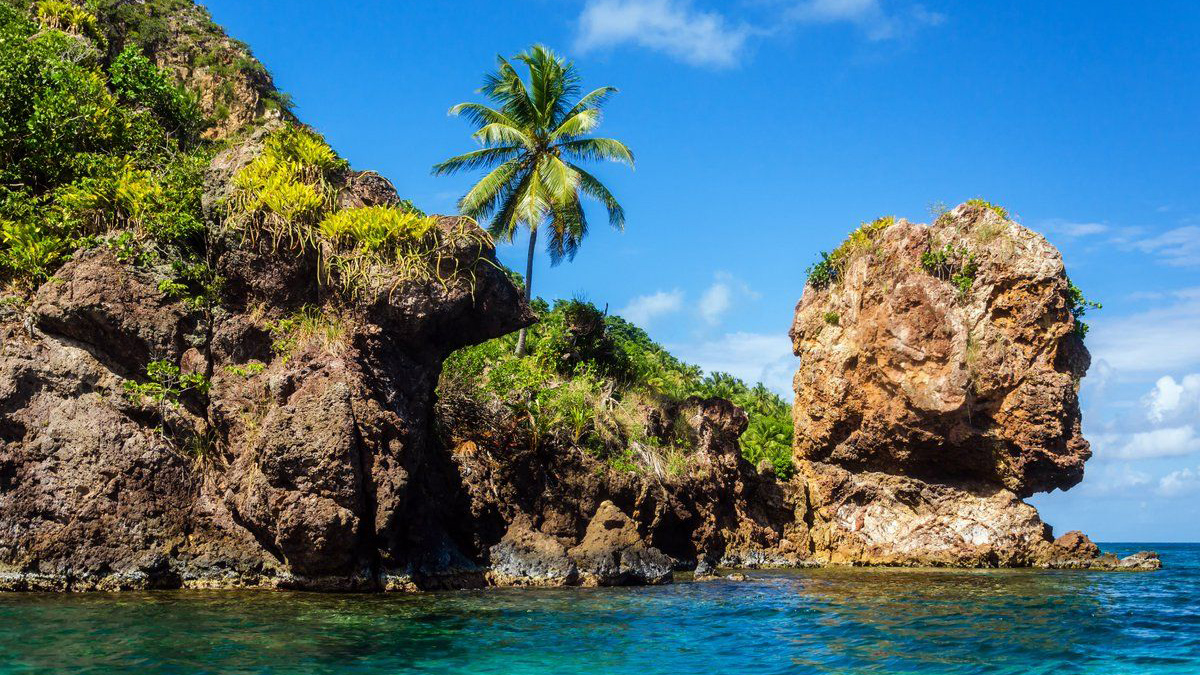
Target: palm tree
[[532, 139]]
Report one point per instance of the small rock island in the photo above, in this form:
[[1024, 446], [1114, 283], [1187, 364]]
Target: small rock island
[[285, 427]]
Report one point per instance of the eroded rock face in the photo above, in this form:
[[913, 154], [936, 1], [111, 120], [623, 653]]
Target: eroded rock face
[[308, 465], [928, 406]]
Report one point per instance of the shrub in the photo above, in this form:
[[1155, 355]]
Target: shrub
[[832, 318], [829, 269], [954, 264], [1079, 306], [165, 385], [984, 204], [589, 380]]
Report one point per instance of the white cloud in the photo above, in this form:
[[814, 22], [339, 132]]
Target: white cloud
[[1171, 400], [1179, 247], [1156, 340], [878, 23], [1111, 479], [643, 309], [1068, 228], [671, 26], [754, 357], [1166, 442], [1181, 482], [718, 298], [710, 38]]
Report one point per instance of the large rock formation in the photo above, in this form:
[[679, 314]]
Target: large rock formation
[[938, 386]]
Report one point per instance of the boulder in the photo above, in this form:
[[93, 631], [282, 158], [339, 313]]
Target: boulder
[[613, 553]]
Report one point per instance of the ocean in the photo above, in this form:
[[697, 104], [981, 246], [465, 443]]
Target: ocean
[[803, 621]]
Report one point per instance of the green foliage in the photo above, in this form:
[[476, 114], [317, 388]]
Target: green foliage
[[287, 189], [984, 204], [589, 380], [534, 141], [87, 148], [165, 384], [250, 369], [954, 264], [832, 318], [139, 83], [1079, 306], [31, 252], [828, 270], [306, 326]]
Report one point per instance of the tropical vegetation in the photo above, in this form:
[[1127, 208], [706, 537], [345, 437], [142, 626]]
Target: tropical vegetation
[[532, 142], [589, 380]]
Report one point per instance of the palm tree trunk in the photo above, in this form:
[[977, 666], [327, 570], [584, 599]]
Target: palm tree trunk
[[528, 287]]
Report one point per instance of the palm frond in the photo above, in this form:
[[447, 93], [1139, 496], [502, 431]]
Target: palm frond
[[592, 187], [504, 223], [480, 199], [595, 99], [503, 133], [478, 159], [577, 125], [480, 115], [595, 149]]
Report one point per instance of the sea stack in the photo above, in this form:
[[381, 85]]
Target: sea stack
[[938, 386]]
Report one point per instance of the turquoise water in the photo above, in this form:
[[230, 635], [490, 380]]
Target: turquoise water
[[814, 621]]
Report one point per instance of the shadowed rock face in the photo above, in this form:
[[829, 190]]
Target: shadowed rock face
[[314, 472], [925, 411]]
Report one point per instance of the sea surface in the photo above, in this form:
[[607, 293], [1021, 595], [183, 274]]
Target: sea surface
[[810, 621]]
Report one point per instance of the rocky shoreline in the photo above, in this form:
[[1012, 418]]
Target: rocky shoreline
[[284, 435]]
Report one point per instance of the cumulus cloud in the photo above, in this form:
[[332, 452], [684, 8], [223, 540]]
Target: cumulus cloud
[[718, 298], [1166, 442], [674, 27], [1170, 400], [644, 309], [1178, 483], [754, 357]]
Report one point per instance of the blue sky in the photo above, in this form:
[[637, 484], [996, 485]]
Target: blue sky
[[766, 129]]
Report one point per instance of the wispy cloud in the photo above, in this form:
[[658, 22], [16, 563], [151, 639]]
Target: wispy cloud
[[644, 309], [1178, 247], [1167, 442], [675, 27], [1162, 339], [705, 37], [1073, 229], [754, 357], [871, 15]]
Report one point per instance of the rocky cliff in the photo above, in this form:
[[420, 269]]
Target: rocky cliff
[[938, 386], [227, 375]]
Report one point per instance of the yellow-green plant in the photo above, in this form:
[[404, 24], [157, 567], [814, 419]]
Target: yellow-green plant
[[862, 240], [375, 229], [31, 252], [286, 189], [119, 198], [66, 16], [984, 204]]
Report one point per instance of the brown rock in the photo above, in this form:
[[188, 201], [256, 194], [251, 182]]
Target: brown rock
[[925, 410], [612, 552]]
